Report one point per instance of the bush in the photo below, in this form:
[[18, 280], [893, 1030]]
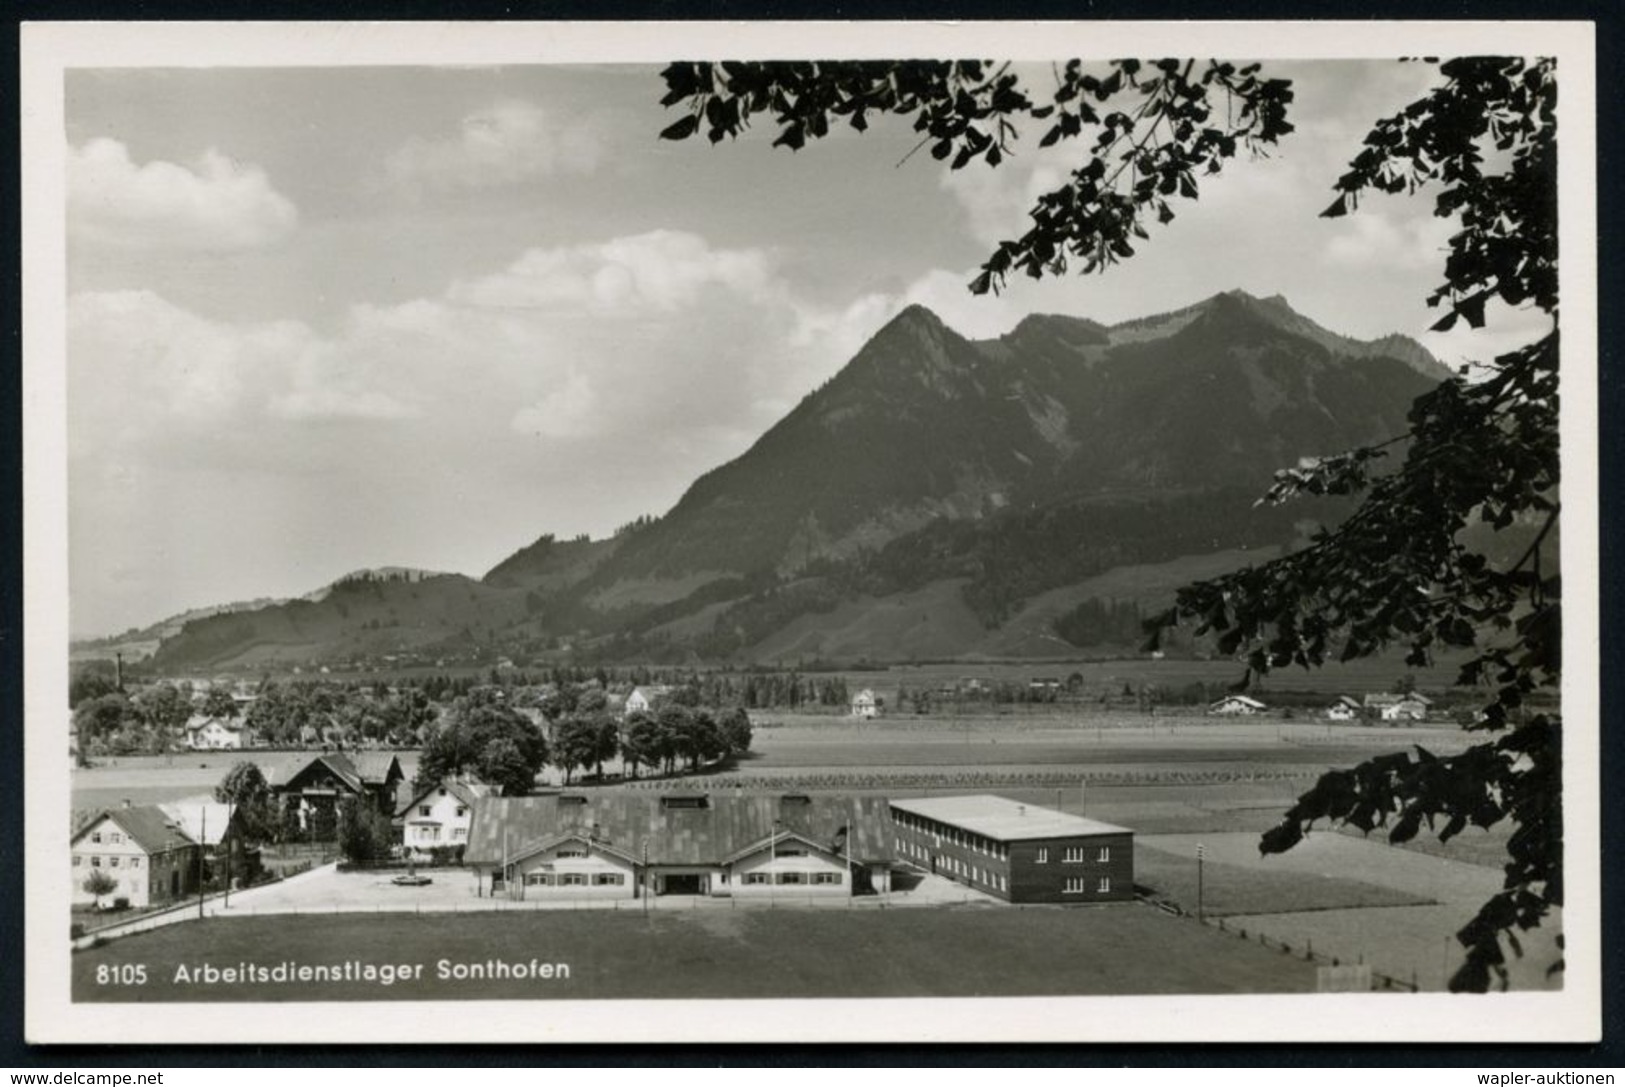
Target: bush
[[120, 904]]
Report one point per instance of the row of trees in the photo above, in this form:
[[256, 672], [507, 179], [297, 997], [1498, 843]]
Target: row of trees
[[484, 736]]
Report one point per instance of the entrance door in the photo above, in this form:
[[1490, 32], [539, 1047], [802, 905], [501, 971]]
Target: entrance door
[[684, 885], [174, 885]]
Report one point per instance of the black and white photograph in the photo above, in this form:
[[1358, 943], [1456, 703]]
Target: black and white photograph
[[726, 532]]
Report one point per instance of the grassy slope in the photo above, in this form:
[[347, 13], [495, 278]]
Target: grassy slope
[[721, 953]]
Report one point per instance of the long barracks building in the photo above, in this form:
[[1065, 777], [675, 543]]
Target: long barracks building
[[1017, 852], [625, 845]]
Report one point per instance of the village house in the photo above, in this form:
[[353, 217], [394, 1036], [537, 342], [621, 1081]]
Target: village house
[[1235, 705], [149, 858], [1344, 709], [646, 699], [220, 830], [205, 733], [867, 705], [1014, 851], [1399, 707], [620, 845], [440, 815], [326, 780]]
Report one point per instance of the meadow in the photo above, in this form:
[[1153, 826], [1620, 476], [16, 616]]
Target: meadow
[[947, 952]]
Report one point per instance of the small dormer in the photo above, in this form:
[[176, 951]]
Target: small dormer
[[684, 801], [571, 800]]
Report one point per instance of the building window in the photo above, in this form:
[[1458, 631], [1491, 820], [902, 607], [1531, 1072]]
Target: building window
[[608, 879], [1105, 885], [424, 810], [1105, 853], [826, 877], [538, 879], [1074, 885], [135, 862], [1043, 855], [1072, 855], [567, 853], [95, 862], [96, 836], [461, 811], [573, 879], [756, 878], [459, 834], [791, 877], [790, 851], [76, 860]]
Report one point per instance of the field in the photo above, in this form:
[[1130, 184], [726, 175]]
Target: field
[[713, 953]]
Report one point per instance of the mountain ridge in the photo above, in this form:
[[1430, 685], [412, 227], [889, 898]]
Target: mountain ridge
[[1010, 467]]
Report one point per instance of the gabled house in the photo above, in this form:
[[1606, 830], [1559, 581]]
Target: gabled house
[[867, 705], [150, 859], [1344, 709], [441, 814], [1235, 705], [646, 699], [626, 845], [1399, 707], [220, 830], [326, 780], [217, 734]]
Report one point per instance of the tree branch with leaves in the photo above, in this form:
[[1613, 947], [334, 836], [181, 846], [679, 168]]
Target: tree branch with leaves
[[1481, 453]]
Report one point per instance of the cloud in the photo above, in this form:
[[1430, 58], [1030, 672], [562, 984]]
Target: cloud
[[504, 144], [214, 204], [148, 376]]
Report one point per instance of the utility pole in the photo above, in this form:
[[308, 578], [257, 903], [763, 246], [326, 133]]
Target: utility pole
[[1201, 854]]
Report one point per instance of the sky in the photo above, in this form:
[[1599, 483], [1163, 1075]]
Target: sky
[[324, 319]]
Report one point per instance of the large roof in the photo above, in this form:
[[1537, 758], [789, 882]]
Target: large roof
[[203, 818], [148, 825], [469, 792], [363, 768], [1005, 820], [723, 827]]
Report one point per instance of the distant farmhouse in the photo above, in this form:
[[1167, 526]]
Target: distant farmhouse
[[622, 845], [1235, 705], [148, 857], [441, 814], [205, 733], [1017, 852], [646, 699], [867, 705], [1399, 707], [1344, 709]]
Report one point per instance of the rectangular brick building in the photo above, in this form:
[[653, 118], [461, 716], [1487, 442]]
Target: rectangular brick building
[[1014, 851]]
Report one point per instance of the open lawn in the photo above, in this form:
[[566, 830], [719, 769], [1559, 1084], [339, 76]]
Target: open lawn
[[709, 953]]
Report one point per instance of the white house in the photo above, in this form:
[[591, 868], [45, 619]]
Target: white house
[[867, 705], [216, 734], [645, 699], [1399, 707], [441, 814], [1413, 707], [1235, 705], [1344, 709], [149, 858]]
